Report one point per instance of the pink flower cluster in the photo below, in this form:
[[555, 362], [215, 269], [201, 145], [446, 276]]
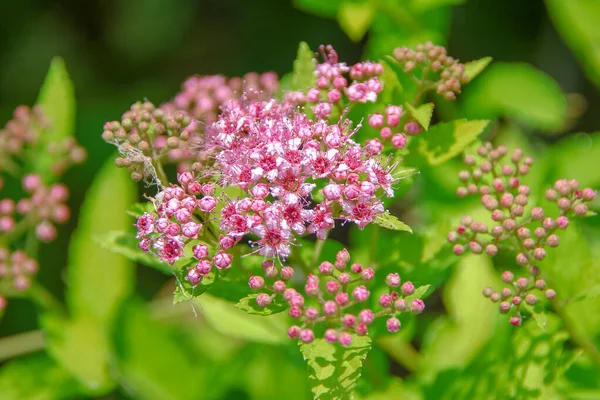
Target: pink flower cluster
[[202, 97], [338, 85], [518, 226], [336, 299], [389, 123]]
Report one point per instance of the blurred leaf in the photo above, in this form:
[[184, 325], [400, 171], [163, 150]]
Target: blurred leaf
[[474, 68], [250, 305], [98, 280], [457, 340], [321, 8], [397, 389], [577, 22], [421, 114], [444, 141], [82, 348], [333, 369], [126, 244], [303, 75], [37, 377], [391, 222], [391, 84], [355, 18], [57, 100], [575, 157], [230, 320], [517, 91], [152, 364], [426, 5], [419, 293], [136, 210]]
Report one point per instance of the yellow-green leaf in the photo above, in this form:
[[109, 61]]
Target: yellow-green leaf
[[421, 114], [475, 67], [355, 18], [303, 75], [391, 222], [249, 305]]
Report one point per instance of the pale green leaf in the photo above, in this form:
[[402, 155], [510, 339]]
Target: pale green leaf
[[421, 114], [475, 67], [136, 210], [249, 305], [152, 364], [419, 293], [444, 141], [518, 91], [355, 18], [577, 23], [391, 222], [100, 280], [37, 377], [57, 101], [333, 369], [126, 244], [230, 320], [303, 75]]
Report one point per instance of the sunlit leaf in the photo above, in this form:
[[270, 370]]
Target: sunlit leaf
[[57, 101], [355, 18], [419, 293], [421, 114], [333, 369], [518, 91], [474, 68], [391, 222], [303, 75], [249, 305]]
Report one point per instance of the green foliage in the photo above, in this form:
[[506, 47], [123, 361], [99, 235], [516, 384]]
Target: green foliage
[[303, 75], [391, 222], [355, 18], [518, 91], [57, 100], [333, 369], [577, 22], [250, 305], [421, 114], [319, 7], [474, 68], [37, 377], [444, 141]]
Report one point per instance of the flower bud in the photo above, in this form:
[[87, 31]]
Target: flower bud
[[417, 306], [331, 336], [263, 300], [504, 307], [256, 282], [360, 293], [307, 335], [508, 277], [550, 294], [393, 324], [393, 280]]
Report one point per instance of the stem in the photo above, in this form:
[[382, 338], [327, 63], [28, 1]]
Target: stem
[[374, 241], [403, 353], [318, 249], [21, 344]]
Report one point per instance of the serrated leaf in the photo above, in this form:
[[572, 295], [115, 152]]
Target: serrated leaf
[[57, 101], [518, 91], [421, 114], [125, 244], [152, 364], [444, 141], [333, 369], [230, 320], [37, 377], [303, 75], [475, 67], [355, 18], [391, 222], [577, 23], [249, 305]]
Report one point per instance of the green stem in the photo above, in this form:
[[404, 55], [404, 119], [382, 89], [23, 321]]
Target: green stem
[[20, 344], [317, 253]]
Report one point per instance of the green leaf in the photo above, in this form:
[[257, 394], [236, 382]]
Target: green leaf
[[389, 221], [333, 369], [419, 293], [421, 6], [152, 364], [474, 68], [125, 244], [184, 291], [444, 141], [422, 114], [355, 18], [230, 320], [57, 100], [37, 377], [518, 91], [391, 84], [99, 280], [572, 157], [136, 210], [321, 8], [577, 23], [303, 75], [250, 305]]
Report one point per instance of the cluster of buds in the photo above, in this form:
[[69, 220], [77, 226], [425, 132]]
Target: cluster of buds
[[339, 85], [274, 282], [277, 157], [147, 134], [16, 271], [43, 209], [394, 127], [518, 226], [202, 97], [336, 301], [439, 71]]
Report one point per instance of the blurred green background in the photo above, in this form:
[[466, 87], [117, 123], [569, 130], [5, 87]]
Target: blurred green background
[[121, 51]]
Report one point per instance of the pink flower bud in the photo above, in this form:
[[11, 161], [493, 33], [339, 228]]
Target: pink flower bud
[[295, 311], [307, 335], [367, 274], [475, 247], [458, 249], [31, 182], [539, 253], [345, 339], [580, 209], [286, 273], [348, 320], [376, 121], [504, 307], [334, 95], [412, 128], [489, 202], [417, 306], [342, 298], [491, 250], [517, 300], [200, 251], [531, 299], [588, 194], [207, 203], [393, 324], [332, 192], [203, 267], [256, 282], [508, 277], [294, 332], [408, 288], [400, 305], [385, 133], [399, 141], [222, 260], [550, 294], [360, 293], [331, 336], [313, 95], [351, 192], [7, 224], [332, 287], [45, 231], [311, 289], [311, 313], [185, 178], [329, 308], [366, 316], [487, 292], [385, 300], [562, 222], [173, 229], [515, 320], [326, 268], [279, 287], [194, 277], [190, 230], [345, 278], [393, 280]]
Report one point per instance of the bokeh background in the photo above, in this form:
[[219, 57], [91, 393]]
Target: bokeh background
[[121, 51]]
